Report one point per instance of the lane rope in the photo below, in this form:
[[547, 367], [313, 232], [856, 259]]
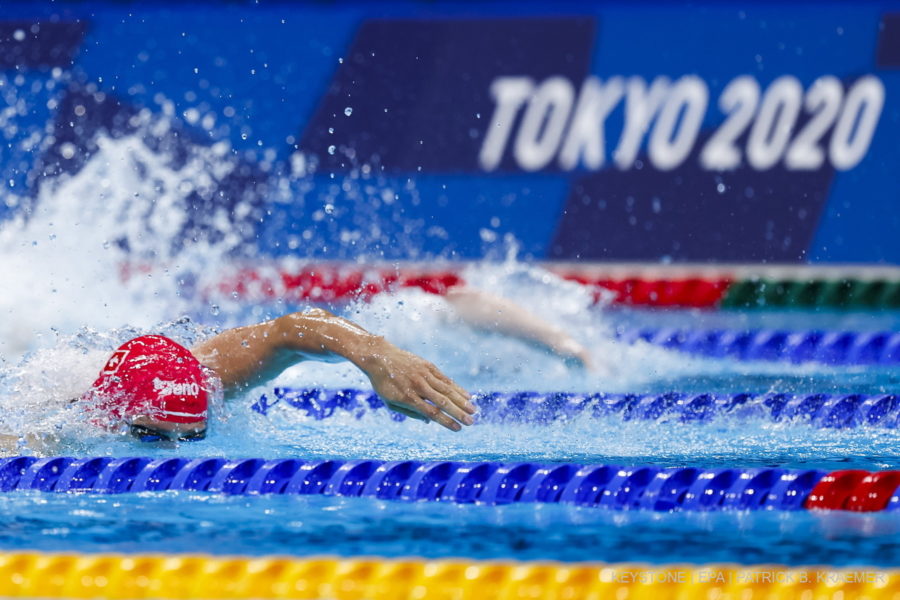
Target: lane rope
[[613, 487], [120, 577], [827, 411], [729, 288], [825, 347]]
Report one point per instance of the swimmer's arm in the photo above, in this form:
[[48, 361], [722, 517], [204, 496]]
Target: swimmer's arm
[[492, 313], [251, 355], [40, 444], [9, 445]]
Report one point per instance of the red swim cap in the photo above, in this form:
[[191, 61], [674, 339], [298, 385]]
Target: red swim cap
[[151, 376]]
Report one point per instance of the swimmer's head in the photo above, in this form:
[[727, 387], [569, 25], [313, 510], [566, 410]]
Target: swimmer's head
[[153, 386]]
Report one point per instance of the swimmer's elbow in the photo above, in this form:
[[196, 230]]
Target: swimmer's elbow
[[288, 327], [316, 313]]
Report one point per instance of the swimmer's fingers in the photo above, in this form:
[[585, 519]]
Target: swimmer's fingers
[[463, 408], [405, 411], [446, 403], [571, 351], [450, 388], [582, 360], [432, 412]]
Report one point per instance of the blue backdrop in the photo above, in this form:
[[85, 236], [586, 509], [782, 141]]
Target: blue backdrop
[[628, 131]]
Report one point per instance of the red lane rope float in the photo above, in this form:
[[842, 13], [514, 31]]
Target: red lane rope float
[[331, 284], [833, 490], [675, 293], [854, 490], [874, 492]]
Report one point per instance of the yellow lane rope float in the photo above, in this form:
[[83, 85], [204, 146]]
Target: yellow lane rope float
[[35, 575]]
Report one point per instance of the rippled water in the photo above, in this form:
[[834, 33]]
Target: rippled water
[[312, 525]]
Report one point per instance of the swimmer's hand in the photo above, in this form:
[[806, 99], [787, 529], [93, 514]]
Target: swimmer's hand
[[493, 313], [571, 351], [416, 388]]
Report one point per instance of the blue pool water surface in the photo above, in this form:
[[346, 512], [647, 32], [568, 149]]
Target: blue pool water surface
[[315, 525], [199, 522]]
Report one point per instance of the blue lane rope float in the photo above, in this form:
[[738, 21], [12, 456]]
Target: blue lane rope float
[[826, 347], [834, 411], [608, 486]]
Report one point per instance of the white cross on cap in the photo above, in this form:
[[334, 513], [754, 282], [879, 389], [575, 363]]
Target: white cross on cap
[[115, 361]]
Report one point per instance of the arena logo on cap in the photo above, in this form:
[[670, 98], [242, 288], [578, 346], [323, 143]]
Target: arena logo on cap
[[803, 129], [174, 388]]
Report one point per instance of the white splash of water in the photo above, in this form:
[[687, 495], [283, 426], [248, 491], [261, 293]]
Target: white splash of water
[[63, 263], [92, 264]]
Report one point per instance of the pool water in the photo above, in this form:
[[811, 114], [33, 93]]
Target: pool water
[[302, 525], [315, 525], [65, 308]]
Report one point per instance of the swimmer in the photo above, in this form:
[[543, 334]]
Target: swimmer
[[157, 390]]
